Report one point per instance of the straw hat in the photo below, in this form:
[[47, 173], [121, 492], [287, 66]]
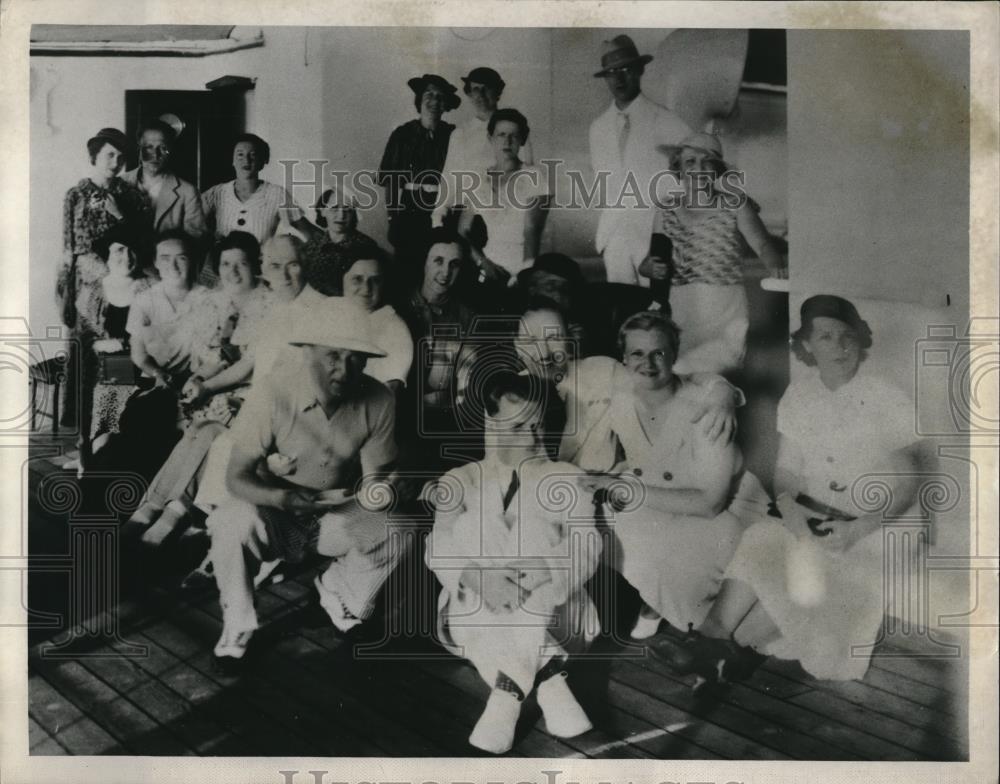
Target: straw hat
[[703, 142], [620, 52], [335, 323]]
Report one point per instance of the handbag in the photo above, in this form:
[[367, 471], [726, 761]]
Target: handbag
[[116, 369]]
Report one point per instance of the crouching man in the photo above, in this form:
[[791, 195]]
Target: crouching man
[[310, 451], [513, 543]]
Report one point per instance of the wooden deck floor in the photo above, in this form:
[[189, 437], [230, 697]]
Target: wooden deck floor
[[306, 692]]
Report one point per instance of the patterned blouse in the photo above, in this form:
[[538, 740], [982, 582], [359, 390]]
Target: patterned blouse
[[709, 250], [85, 219], [323, 261]]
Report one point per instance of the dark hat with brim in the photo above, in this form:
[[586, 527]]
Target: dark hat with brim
[[113, 137], [420, 83], [620, 52], [555, 264], [484, 75], [830, 306], [119, 233]]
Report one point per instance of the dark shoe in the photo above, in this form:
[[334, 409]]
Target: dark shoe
[[712, 659]]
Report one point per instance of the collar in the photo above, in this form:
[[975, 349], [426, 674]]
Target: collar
[[638, 103]]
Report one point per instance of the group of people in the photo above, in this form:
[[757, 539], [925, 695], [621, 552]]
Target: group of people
[[299, 384]]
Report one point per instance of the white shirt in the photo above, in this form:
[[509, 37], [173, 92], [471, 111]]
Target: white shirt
[[844, 434], [649, 125], [469, 150]]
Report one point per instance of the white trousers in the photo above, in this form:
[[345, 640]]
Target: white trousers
[[622, 256], [364, 554]]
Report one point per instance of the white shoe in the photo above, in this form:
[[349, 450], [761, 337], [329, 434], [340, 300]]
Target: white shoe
[[340, 616], [494, 732], [564, 717], [645, 627], [233, 645]]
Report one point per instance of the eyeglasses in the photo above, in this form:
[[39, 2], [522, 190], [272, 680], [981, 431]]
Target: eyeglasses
[[622, 69], [150, 149]]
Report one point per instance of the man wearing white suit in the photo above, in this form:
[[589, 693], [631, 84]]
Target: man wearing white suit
[[623, 141]]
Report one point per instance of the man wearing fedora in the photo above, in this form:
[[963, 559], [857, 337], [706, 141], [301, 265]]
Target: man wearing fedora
[[469, 149], [410, 171], [310, 452], [623, 142]]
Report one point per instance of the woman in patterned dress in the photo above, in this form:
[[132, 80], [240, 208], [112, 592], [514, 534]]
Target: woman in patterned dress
[[710, 231], [103, 314], [91, 208], [337, 215]]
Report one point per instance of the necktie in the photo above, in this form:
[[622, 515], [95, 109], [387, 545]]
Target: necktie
[[623, 129], [511, 490]]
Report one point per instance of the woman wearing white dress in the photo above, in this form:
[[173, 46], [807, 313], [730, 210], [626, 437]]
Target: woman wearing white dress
[[808, 585], [688, 494], [512, 199]]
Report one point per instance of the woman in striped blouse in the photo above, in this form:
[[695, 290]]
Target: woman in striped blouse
[[249, 203]]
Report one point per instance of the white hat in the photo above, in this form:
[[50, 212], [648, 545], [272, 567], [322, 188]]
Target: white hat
[[335, 323]]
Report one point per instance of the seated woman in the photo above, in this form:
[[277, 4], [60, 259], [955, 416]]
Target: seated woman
[[588, 385], [159, 328], [361, 277], [837, 424], [103, 313], [441, 323], [337, 216], [512, 199], [709, 236], [513, 567], [677, 534], [220, 332]]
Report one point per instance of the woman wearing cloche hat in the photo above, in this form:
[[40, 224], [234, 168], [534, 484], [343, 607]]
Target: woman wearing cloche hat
[[410, 171], [91, 208], [708, 230]]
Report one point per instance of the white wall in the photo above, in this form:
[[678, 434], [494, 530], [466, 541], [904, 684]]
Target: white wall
[[335, 94], [878, 164]]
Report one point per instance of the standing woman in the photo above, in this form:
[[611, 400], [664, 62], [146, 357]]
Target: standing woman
[[91, 208], [512, 199], [410, 171], [248, 203], [710, 231]]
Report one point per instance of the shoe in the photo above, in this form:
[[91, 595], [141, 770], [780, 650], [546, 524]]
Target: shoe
[[229, 651], [201, 578], [712, 659], [339, 615], [172, 521], [494, 732], [146, 514], [564, 717], [270, 573], [645, 627]]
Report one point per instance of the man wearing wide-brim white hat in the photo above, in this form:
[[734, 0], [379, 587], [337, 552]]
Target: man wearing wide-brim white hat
[[311, 451], [623, 143]]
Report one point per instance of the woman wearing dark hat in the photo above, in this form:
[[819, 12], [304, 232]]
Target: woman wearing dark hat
[[108, 372], [469, 149], [410, 171], [807, 583], [91, 208], [709, 238]]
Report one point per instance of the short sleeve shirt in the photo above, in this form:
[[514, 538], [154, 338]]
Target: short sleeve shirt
[[330, 452], [165, 327], [260, 214]]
